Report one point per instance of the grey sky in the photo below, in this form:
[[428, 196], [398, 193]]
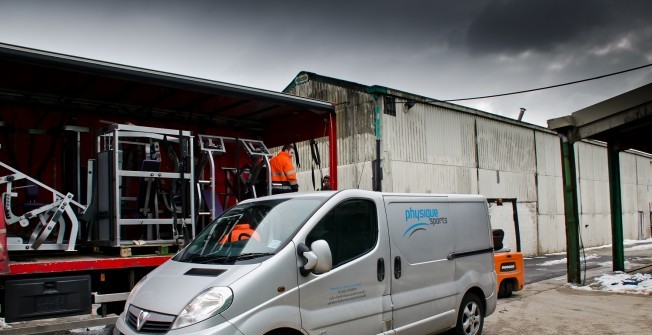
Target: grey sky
[[439, 49]]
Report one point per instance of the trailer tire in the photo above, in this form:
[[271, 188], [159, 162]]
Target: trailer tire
[[470, 317]]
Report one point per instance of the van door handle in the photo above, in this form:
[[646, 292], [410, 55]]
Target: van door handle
[[397, 267], [381, 269]]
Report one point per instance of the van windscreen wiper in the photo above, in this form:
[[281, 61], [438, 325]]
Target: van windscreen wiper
[[251, 255]]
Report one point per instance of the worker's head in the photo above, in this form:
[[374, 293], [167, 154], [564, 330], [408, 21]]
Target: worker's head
[[326, 179], [289, 149]]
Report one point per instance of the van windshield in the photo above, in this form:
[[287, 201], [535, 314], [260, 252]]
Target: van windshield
[[249, 232]]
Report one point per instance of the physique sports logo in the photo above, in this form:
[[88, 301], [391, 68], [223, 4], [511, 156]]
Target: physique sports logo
[[424, 217]]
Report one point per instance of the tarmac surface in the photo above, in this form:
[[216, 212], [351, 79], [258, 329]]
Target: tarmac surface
[[551, 306]]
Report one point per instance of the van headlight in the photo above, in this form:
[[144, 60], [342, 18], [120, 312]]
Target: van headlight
[[212, 301]]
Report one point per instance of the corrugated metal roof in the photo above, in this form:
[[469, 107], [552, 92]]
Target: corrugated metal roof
[[304, 76]]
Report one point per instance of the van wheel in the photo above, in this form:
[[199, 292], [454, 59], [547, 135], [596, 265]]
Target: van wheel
[[470, 318]]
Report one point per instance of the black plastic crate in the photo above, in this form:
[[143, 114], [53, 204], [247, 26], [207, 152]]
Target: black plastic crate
[[30, 299]]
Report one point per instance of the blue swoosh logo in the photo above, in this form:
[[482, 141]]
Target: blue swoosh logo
[[414, 226]]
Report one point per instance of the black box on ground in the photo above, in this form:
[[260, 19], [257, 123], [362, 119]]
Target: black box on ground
[[30, 299]]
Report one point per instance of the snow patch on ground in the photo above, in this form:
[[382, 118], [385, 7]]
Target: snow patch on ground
[[621, 282]]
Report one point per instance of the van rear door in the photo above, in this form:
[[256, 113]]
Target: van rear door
[[422, 288]]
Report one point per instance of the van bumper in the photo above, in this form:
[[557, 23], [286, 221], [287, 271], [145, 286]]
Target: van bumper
[[216, 325]]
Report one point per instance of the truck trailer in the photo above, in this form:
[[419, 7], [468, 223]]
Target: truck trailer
[[108, 170]]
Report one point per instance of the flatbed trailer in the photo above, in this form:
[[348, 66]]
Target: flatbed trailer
[[131, 163]]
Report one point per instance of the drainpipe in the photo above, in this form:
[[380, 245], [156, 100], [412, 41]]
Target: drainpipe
[[377, 92]]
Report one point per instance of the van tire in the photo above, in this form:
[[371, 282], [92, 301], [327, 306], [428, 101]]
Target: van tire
[[470, 317]]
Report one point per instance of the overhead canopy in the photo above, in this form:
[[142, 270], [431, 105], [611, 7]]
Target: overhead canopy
[[624, 120], [41, 77]]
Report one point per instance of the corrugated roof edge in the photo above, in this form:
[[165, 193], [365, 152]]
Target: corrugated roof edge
[[170, 78], [304, 76]]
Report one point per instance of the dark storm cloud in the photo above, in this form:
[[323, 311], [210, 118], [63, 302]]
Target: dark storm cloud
[[558, 26], [436, 48], [513, 26]]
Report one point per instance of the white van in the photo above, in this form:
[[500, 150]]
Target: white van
[[326, 263]]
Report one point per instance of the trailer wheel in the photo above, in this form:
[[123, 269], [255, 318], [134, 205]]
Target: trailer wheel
[[470, 318]]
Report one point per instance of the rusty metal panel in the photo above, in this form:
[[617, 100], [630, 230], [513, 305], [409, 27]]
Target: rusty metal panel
[[505, 147], [355, 120]]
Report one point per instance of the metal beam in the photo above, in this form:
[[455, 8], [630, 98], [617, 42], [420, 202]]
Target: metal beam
[[571, 211], [616, 207]]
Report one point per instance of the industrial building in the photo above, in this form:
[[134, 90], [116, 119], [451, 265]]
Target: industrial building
[[396, 141]]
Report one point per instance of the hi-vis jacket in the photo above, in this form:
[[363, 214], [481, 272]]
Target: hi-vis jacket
[[283, 170]]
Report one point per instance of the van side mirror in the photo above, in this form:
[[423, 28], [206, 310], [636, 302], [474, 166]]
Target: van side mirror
[[317, 258]]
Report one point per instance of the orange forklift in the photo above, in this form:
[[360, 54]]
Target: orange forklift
[[508, 264]]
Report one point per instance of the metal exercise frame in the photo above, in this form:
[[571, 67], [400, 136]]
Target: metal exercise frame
[[111, 142], [49, 215], [214, 145]]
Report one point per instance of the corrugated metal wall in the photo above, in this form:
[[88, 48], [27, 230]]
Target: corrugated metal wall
[[429, 149], [434, 149], [594, 193], [355, 137], [551, 228]]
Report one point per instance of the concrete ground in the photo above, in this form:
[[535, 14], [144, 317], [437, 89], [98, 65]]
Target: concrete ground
[[552, 307]]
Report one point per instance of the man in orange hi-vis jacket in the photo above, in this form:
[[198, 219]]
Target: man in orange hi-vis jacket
[[284, 176]]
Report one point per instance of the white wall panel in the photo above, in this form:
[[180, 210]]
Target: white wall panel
[[630, 226], [591, 161], [505, 147], [627, 168], [502, 218], [429, 134], [548, 149], [504, 184], [429, 178], [550, 194], [552, 234], [598, 231]]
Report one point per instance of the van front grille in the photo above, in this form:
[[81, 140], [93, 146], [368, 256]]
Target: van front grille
[[151, 322]]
